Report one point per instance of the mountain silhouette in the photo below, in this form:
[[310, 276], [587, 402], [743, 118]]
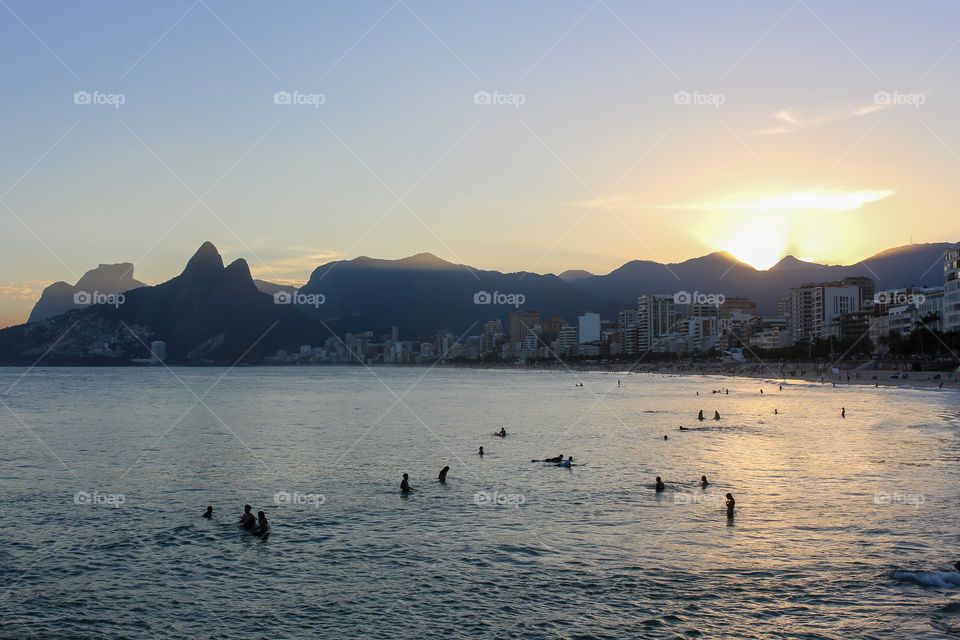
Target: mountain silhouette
[[106, 279], [207, 314]]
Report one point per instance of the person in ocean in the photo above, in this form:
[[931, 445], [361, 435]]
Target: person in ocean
[[659, 486], [405, 484], [731, 503], [683, 428], [247, 521], [262, 525], [502, 433], [700, 415], [566, 463], [703, 481], [716, 415], [208, 513], [481, 451], [775, 412], [843, 412], [443, 474]]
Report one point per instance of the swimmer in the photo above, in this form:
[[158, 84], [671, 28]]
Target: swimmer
[[405, 484], [775, 412], [700, 415], [659, 486], [481, 451], [843, 412], [703, 481], [761, 391], [443, 474], [247, 521], [262, 525], [566, 463], [731, 503], [502, 433], [781, 387], [208, 513], [666, 437], [683, 428], [716, 415], [956, 565]]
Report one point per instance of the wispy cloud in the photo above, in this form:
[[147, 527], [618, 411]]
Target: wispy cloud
[[784, 202], [791, 120], [294, 266], [24, 290]]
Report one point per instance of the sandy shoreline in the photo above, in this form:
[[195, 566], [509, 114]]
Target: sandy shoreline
[[871, 377]]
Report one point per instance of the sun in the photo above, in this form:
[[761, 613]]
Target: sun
[[759, 241]]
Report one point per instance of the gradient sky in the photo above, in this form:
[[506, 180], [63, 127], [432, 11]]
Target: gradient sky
[[789, 151]]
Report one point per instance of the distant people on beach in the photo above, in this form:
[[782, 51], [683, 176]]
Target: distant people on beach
[[659, 486], [247, 520], [405, 484], [443, 474], [208, 513], [731, 503]]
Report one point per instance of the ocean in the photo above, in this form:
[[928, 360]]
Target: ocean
[[843, 528]]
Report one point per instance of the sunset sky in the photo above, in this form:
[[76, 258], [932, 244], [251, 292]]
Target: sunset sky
[[614, 131]]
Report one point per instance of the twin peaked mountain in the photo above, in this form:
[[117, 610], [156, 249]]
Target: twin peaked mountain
[[216, 314]]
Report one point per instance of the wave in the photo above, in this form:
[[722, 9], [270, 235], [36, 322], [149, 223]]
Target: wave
[[948, 579]]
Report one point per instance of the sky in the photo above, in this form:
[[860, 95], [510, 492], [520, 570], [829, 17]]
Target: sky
[[537, 135]]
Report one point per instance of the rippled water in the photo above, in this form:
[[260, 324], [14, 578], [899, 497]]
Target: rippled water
[[589, 552]]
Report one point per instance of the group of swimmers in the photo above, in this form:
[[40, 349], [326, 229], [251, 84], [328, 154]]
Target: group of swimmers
[[716, 415], [258, 526], [730, 503]]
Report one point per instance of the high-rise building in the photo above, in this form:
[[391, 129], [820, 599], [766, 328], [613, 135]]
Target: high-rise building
[[815, 309], [521, 325], [589, 327], [567, 341], [627, 322], [951, 288], [656, 317], [492, 334]]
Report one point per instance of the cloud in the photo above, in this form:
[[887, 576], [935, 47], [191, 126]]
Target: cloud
[[293, 267], [791, 120], [24, 290], [791, 202]]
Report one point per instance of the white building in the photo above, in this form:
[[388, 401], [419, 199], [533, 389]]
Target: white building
[[656, 318], [951, 288], [589, 325]]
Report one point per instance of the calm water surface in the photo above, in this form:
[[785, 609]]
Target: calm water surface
[[589, 552]]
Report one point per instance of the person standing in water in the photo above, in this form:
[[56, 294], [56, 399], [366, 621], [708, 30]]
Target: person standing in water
[[703, 481], [700, 415], [262, 525], [659, 486], [443, 474], [731, 503], [481, 451], [247, 521], [405, 484], [208, 513], [843, 412], [716, 415]]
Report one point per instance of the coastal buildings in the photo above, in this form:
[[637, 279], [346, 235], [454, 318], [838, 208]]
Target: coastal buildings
[[816, 308], [951, 288], [656, 318], [521, 325], [589, 328]]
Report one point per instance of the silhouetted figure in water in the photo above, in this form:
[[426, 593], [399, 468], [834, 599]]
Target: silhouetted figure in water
[[703, 481], [208, 513], [775, 412], [731, 503], [247, 521], [443, 474], [716, 415], [659, 486], [481, 451], [843, 412], [263, 527], [728, 391], [405, 484], [666, 437], [781, 387], [566, 463], [761, 391], [502, 433], [956, 565], [700, 415], [683, 428]]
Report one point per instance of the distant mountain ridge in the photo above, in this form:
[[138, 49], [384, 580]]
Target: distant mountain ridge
[[216, 313], [105, 279]]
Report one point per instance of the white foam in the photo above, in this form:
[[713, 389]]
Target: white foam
[[947, 579]]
